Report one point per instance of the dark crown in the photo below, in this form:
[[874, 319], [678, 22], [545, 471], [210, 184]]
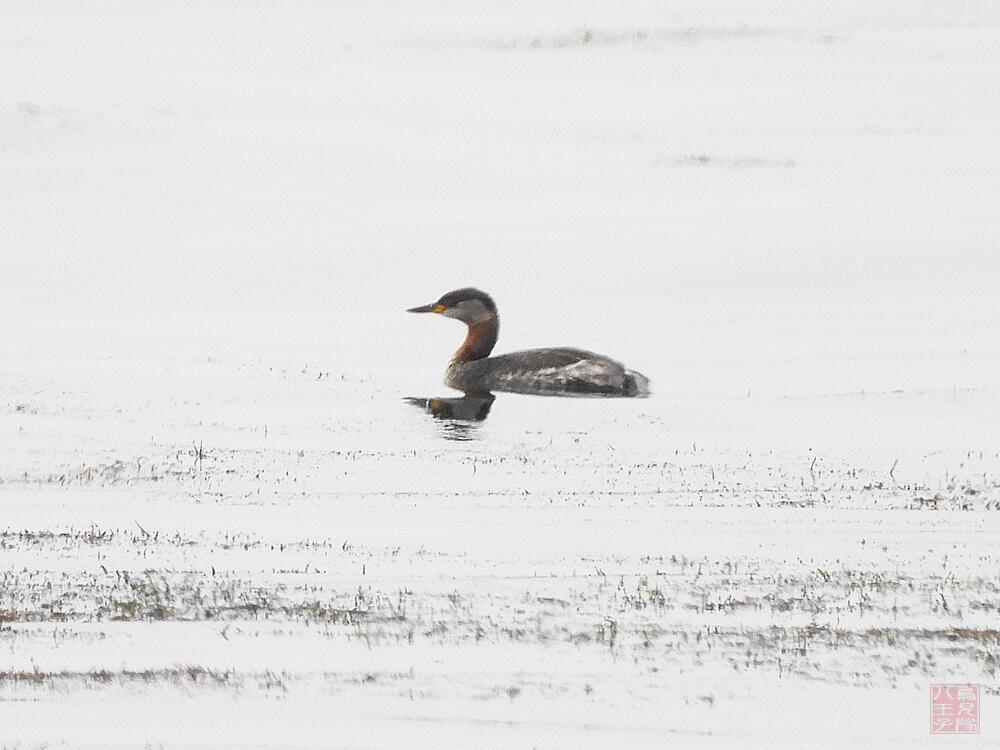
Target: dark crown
[[466, 295]]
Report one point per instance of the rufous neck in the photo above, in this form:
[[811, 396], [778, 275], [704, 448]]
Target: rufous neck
[[479, 342]]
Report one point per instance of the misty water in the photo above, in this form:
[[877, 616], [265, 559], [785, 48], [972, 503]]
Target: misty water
[[239, 506]]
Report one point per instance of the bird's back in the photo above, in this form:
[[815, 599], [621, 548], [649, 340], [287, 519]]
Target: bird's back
[[559, 371]]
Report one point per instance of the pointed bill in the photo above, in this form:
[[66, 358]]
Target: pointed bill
[[433, 307]]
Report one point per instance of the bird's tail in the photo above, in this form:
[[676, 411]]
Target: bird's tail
[[636, 384]]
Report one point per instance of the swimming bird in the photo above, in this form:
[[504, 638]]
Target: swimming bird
[[555, 372]]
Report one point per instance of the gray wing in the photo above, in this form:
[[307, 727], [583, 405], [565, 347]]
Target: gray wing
[[538, 359], [559, 371]]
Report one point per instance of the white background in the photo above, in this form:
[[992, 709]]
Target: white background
[[211, 219]]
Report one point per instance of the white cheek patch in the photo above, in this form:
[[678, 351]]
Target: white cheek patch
[[469, 312]]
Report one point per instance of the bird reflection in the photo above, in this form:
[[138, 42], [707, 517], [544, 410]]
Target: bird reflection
[[458, 415]]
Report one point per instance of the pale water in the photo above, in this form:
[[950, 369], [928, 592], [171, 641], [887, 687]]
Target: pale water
[[228, 519]]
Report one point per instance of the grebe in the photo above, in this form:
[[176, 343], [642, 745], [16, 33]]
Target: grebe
[[554, 372]]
